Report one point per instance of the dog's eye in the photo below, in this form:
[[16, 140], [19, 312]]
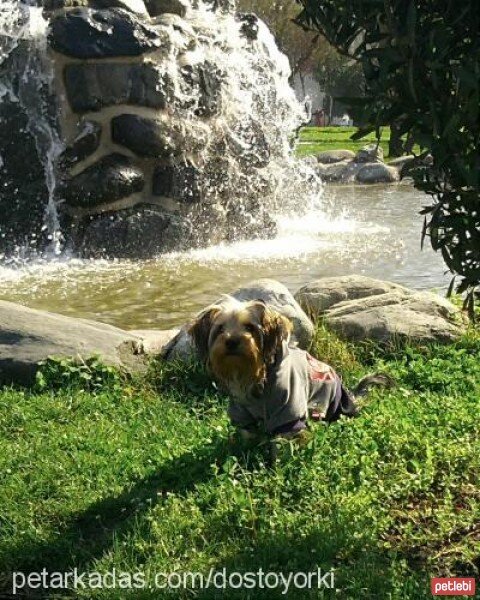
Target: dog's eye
[[251, 328]]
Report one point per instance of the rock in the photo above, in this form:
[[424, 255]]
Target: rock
[[86, 33], [176, 7], [377, 173], [318, 296], [206, 81], [86, 142], [28, 337], [139, 232], [339, 172], [359, 309], [277, 295], [146, 137], [92, 86], [135, 6], [154, 341], [177, 181], [401, 161], [419, 317], [249, 25], [338, 166], [111, 178], [50, 5], [274, 294], [369, 154], [249, 144], [334, 156]]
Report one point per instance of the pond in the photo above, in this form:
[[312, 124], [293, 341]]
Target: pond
[[373, 231]]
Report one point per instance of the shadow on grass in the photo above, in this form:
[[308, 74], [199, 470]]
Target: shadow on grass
[[88, 535], [327, 563]]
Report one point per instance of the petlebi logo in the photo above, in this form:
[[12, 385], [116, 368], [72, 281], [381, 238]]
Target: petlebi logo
[[452, 586]]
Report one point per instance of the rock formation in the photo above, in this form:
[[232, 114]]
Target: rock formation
[[171, 121], [360, 308]]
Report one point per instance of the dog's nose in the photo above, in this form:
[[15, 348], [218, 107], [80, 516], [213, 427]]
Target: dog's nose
[[232, 343]]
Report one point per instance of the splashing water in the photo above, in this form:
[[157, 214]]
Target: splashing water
[[243, 152], [258, 110], [28, 80]]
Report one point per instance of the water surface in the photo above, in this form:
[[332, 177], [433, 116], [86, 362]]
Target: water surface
[[373, 231]]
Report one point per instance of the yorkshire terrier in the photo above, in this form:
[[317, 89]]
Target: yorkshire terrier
[[272, 384]]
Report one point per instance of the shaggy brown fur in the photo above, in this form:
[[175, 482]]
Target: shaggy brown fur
[[238, 341]]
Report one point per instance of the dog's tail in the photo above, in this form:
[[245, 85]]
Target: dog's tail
[[374, 380]]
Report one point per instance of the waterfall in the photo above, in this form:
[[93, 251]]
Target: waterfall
[[175, 133], [28, 80]]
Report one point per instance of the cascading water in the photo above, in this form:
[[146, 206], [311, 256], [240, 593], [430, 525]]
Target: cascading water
[[27, 79], [177, 128]]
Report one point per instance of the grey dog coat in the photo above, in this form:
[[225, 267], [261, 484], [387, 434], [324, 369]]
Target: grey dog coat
[[296, 384]]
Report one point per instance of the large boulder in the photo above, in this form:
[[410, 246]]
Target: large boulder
[[86, 143], [343, 171], [110, 179], [377, 173], [146, 137], [275, 294], [179, 181], [28, 337], [359, 308], [318, 296], [140, 232], [93, 86], [175, 7], [329, 157], [369, 154], [86, 33]]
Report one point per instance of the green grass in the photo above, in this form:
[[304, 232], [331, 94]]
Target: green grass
[[318, 139], [142, 476]]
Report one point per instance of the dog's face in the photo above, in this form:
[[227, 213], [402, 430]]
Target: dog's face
[[238, 341]]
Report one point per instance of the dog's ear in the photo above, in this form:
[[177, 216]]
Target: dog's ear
[[199, 330], [275, 327]]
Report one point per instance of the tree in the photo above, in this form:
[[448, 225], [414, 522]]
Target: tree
[[304, 49], [340, 76], [421, 61]]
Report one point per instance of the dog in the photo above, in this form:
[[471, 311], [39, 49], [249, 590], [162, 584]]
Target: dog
[[272, 384]]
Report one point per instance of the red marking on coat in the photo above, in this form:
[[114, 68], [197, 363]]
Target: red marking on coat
[[320, 371]]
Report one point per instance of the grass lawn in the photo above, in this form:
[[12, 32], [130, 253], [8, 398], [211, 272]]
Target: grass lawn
[[317, 139], [141, 476]]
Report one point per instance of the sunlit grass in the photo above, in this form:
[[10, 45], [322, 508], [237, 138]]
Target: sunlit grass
[[313, 140], [142, 477]]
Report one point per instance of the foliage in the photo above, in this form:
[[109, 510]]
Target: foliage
[[421, 61], [339, 76], [90, 375], [303, 49], [141, 480]]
